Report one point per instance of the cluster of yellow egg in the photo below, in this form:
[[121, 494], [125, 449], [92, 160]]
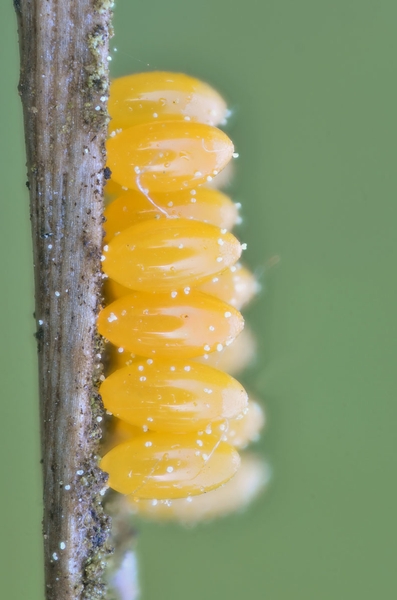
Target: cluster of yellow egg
[[173, 293]]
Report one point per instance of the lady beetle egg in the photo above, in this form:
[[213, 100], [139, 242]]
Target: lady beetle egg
[[231, 497], [144, 97], [206, 205], [172, 393], [169, 254], [160, 325], [171, 467], [168, 156]]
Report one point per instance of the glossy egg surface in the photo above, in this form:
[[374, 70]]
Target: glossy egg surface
[[169, 254], [202, 204], [233, 496], [182, 326], [172, 396], [167, 156], [161, 95], [163, 465]]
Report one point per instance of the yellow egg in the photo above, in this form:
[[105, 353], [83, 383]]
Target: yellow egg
[[132, 207], [167, 156], [235, 495], [158, 95], [172, 396], [164, 465], [169, 254], [170, 325]]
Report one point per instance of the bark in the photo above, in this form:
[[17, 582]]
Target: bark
[[64, 87]]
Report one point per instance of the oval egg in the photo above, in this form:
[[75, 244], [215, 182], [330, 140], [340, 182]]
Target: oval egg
[[172, 396], [233, 496], [169, 254], [163, 465], [161, 95], [202, 204], [168, 156], [182, 326]]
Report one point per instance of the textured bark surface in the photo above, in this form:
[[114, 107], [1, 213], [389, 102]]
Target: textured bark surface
[[64, 87]]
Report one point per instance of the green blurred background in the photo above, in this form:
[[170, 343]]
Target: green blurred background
[[313, 89]]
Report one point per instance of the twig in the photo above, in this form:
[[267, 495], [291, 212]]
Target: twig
[[64, 86]]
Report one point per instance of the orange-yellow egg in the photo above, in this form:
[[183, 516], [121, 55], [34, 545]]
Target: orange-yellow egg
[[167, 156], [164, 465], [168, 325], [132, 207], [172, 396], [235, 495], [236, 286], [158, 95], [169, 254]]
